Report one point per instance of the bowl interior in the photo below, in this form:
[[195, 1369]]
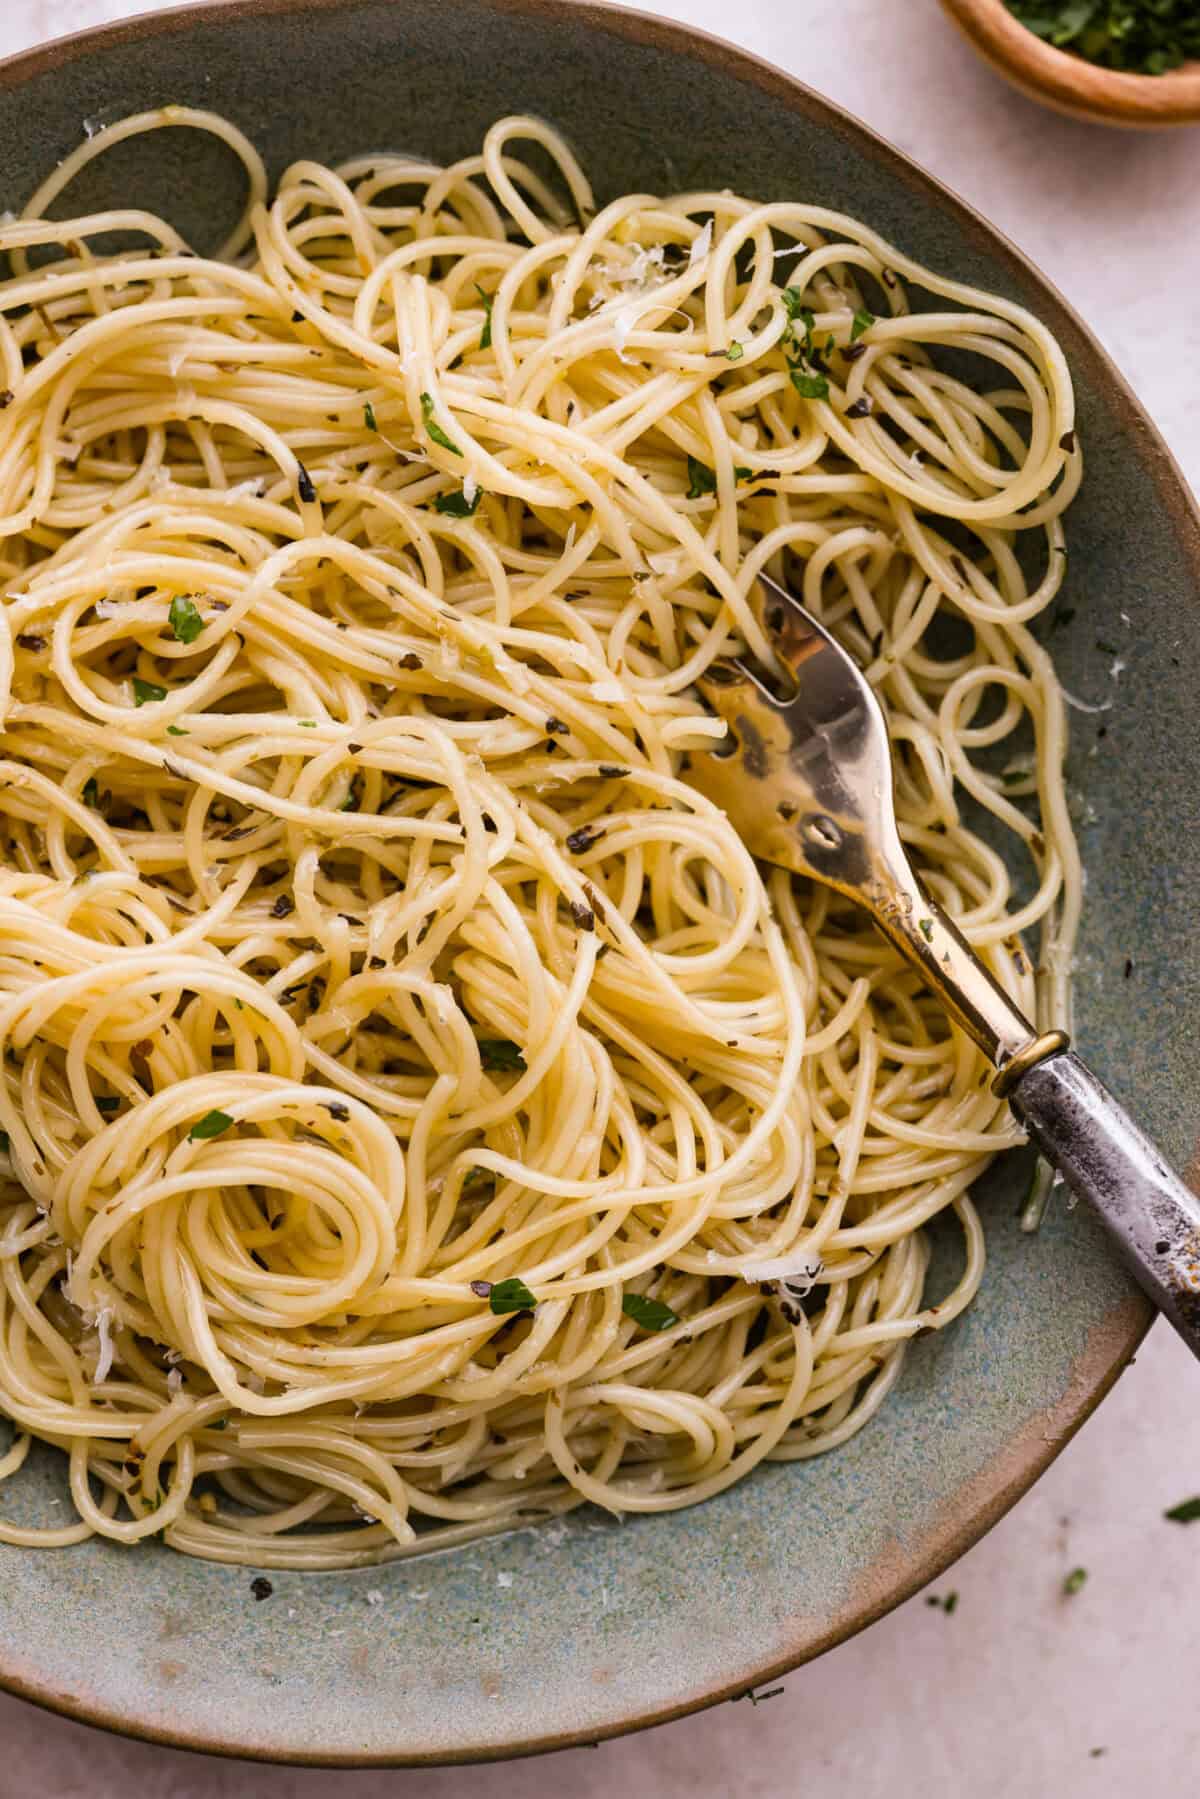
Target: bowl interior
[[568, 1633]]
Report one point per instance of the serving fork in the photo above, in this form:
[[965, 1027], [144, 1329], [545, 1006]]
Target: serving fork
[[806, 780]]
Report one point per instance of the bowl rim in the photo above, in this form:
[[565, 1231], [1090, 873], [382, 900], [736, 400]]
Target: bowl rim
[[1070, 83], [1113, 1341]]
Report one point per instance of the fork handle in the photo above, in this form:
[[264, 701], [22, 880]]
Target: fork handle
[[1152, 1217]]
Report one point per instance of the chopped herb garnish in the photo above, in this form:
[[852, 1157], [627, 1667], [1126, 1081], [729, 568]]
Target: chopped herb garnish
[[434, 429], [457, 505], [184, 619], [498, 1052], [651, 1314], [799, 313], [369, 416], [353, 797], [925, 926], [755, 1697], [1143, 37], [485, 336], [1186, 1512], [810, 387], [1076, 1579], [511, 1296], [177, 731], [702, 480], [91, 793], [735, 352], [145, 691], [211, 1125], [948, 1604], [863, 320]]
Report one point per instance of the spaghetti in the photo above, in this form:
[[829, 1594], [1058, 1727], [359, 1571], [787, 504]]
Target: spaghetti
[[421, 1114]]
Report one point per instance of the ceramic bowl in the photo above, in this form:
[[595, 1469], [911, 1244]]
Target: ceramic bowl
[[1070, 84], [564, 1635]]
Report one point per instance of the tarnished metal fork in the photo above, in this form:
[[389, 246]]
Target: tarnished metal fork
[[806, 781]]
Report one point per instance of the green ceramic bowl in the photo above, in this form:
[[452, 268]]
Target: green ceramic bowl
[[600, 1629]]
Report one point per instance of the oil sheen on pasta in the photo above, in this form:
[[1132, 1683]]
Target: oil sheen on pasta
[[421, 1114]]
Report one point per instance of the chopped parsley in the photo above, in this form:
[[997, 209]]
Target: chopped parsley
[[145, 691], [369, 418], [810, 387], [1143, 37], [735, 352], [755, 1697], [498, 1052], [947, 1604], [434, 430], [798, 314], [1186, 1512], [177, 731], [353, 797], [511, 1296], [702, 480], [1074, 1581], [863, 320], [457, 505], [485, 336], [925, 926], [91, 793], [211, 1125], [651, 1314], [184, 619]]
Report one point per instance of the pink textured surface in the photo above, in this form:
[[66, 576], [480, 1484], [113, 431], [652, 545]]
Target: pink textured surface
[[1007, 1697]]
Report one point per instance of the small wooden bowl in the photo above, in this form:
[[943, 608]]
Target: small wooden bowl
[[1067, 82]]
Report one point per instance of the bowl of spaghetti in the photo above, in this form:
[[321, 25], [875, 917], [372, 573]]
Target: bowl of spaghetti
[[485, 1265]]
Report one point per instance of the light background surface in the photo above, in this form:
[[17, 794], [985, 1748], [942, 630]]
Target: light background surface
[[1010, 1695]]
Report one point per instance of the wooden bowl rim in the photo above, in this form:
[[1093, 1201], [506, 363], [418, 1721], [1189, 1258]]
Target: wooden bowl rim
[[1069, 81]]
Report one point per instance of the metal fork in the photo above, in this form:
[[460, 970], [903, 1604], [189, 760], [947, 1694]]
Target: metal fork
[[807, 782]]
